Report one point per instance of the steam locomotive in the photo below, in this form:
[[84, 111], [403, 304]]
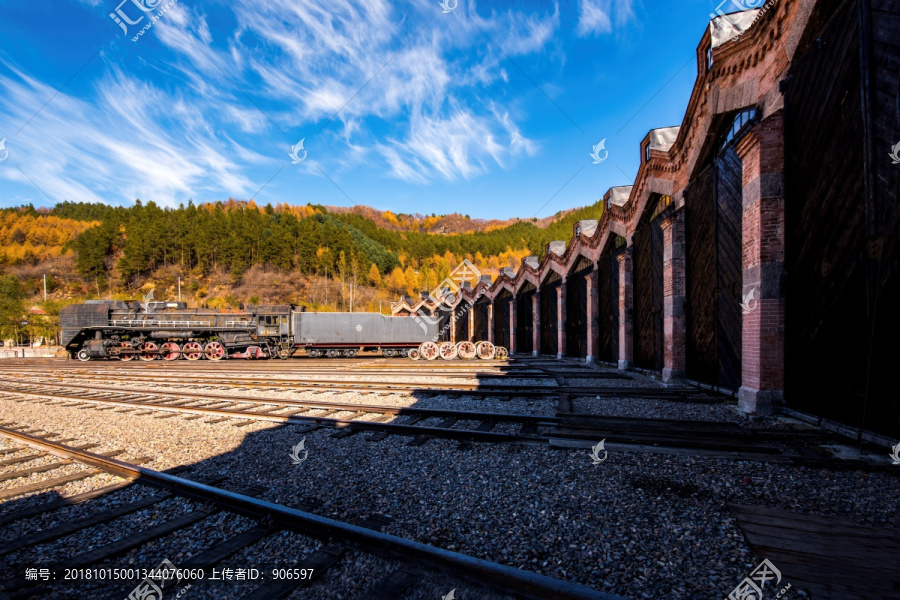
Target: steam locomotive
[[130, 330]]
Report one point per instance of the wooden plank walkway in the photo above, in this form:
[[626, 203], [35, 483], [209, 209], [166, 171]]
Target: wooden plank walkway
[[831, 557]]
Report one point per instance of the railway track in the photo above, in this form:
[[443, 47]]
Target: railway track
[[417, 422], [418, 389], [373, 363], [695, 438], [336, 538]]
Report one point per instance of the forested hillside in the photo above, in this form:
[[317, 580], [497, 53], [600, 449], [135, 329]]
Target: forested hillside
[[231, 252]]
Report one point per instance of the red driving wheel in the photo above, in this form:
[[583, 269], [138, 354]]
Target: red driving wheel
[[148, 351], [214, 351], [192, 351]]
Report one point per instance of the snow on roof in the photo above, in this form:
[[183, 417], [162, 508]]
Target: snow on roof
[[663, 138], [619, 195], [726, 27]]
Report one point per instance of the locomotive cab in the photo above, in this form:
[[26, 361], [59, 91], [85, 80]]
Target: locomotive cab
[[273, 321]]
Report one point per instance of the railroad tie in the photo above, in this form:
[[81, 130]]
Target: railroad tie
[[21, 459], [68, 527], [527, 429], [50, 467], [394, 585], [137, 539], [344, 432], [33, 470], [47, 484], [45, 507], [319, 561]]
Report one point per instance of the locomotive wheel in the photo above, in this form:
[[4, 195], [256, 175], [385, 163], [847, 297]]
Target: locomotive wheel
[[214, 351], [485, 350], [170, 351], [501, 353], [350, 353], [333, 353], [148, 351], [83, 355], [413, 353], [466, 350], [387, 352], [448, 350], [126, 356], [428, 350], [192, 351], [313, 353], [402, 353]]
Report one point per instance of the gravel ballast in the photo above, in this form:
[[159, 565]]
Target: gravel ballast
[[640, 525]]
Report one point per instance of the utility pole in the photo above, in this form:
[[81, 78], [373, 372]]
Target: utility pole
[[45, 287], [179, 289]]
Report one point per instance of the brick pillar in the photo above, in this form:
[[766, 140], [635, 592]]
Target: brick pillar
[[453, 325], [674, 292], [561, 319], [512, 324], [472, 323], [536, 324], [592, 298], [490, 321], [762, 349], [626, 309]]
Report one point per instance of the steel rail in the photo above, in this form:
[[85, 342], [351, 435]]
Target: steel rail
[[364, 386], [373, 363], [548, 420], [621, 433], [390, 428], [318, 382], [173, 367], [482, 572], [475, 389]]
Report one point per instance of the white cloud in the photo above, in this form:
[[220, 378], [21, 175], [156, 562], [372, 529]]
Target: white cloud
[[599, 16], [408, 88], [132, 141], [458, 145]]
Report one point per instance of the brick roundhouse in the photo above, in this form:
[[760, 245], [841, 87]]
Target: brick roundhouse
[[757, 249]]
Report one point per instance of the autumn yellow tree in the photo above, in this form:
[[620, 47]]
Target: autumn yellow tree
[[374, 275], [412, 281], [396, 282]]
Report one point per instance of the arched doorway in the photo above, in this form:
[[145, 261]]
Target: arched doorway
[[714, 271], [577, 308], [525, 319], [648, 291], [549, 340]]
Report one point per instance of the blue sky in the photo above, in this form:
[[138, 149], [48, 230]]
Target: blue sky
[[490, 109]]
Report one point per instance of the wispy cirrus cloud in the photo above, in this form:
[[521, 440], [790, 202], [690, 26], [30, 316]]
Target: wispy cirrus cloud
[[397, 88], [132, 141], [599, 16], [363, 61]]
